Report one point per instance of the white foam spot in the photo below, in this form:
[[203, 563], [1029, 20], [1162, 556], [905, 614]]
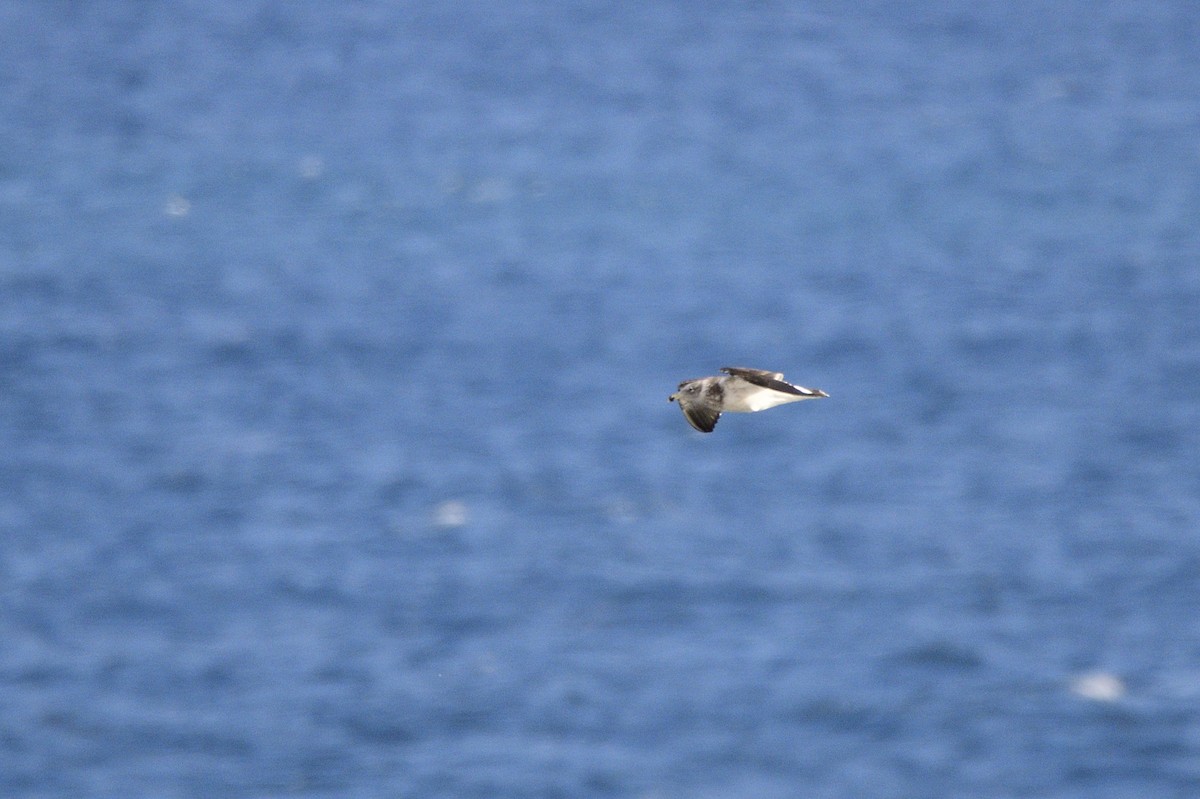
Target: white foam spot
[[1098, 686], [177, 206], [490, 190], [311, 167], [451, 513]]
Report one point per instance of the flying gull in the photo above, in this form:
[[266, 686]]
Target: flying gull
[[704, 399]]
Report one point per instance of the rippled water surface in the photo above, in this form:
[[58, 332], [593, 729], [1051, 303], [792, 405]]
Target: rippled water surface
[[335, 341]]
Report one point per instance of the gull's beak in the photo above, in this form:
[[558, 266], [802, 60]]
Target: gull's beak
[[673, 397]]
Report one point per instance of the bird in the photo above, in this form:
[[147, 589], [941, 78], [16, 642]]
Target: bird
[[739, 390]]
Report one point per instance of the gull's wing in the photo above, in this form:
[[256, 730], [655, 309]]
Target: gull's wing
[[699, 416], [748, 374], [771, 380]]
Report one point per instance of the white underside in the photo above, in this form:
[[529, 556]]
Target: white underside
[[748, 398]]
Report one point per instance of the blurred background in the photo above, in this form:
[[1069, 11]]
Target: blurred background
[[335, 343]]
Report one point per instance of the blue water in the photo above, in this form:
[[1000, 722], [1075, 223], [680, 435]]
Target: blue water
[[335, 456]]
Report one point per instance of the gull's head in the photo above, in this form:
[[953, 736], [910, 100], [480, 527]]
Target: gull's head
[[688, 389]]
